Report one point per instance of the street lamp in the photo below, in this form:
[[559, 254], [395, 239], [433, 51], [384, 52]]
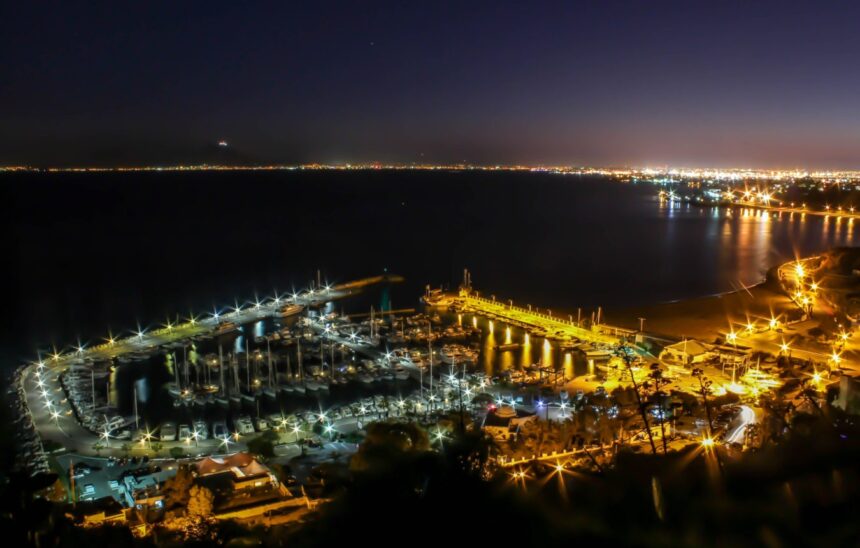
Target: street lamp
[[105, 435], [541, 404], [439, 436]]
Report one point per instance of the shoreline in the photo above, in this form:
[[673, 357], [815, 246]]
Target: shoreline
[[705, 317]]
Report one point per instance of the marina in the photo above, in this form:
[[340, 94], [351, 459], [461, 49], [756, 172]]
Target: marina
[[206, 385]]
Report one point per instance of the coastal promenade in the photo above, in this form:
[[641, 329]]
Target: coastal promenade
[[836, 213]]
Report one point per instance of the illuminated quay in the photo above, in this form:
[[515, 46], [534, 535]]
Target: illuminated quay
[[535, 322]]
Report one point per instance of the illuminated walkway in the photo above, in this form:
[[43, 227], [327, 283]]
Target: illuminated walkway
[[533, 321], [215, 323]]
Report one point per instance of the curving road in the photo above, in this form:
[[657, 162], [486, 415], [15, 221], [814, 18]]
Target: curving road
[[746, 417]]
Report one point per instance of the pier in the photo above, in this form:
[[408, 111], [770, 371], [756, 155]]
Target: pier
[[532, 320], [217, 323]]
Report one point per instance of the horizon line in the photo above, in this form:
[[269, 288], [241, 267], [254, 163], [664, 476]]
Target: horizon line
[[679, 171]]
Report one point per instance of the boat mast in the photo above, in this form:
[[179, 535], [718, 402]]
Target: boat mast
[[176, 371], [430, 349], [269, 356], [221, 368], [234, 363], [196, 366], [136, 418], [247, 366], [185, 363], [299, 350]]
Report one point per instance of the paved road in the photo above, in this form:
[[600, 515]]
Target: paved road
[[746, 417]]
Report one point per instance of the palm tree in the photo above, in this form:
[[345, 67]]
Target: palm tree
[[627, 358], [658, 382], [97, 447], [705, 387]]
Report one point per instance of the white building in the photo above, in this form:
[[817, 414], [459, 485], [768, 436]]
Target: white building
[[686, 353]]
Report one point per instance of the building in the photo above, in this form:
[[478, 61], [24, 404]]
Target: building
[[504, 423], [142, 490], [244, 488], [99, 512], [686, 353]]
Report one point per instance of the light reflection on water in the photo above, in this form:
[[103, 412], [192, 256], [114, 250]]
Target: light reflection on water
[[710, 249], [724, 246]]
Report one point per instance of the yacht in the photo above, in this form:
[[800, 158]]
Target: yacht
[[219, 430], [202, 429], [276, 421], [174, 390], [168, 432], [244, 425], [224, 327]]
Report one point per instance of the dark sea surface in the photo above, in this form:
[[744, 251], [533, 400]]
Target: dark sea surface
[[89, 253]]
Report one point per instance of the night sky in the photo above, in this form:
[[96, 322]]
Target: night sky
[[762, 84]]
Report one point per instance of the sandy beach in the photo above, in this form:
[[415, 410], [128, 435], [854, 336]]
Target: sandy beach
[[705, 318]]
